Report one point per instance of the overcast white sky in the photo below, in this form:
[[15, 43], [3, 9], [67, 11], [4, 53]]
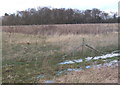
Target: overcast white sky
[[11, 6]]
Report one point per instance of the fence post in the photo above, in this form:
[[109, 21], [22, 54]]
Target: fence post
[[83, 44]]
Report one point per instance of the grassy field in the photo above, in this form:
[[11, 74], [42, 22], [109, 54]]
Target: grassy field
[[29, 51], [62, 29]]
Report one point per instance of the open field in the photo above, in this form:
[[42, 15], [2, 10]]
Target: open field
[[62, 29], [32, 51]]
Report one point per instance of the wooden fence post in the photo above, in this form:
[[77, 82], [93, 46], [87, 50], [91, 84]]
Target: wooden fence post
[[83, 44]]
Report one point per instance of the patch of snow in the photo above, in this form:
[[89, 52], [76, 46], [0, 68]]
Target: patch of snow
[[67, 62], [111, 63], [106, 56], [49, 81], [88, 67], [69, 69], [114, 62], [88, 58], [78, 61]]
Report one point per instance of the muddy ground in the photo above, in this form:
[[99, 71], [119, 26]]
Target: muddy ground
[[93, 75]]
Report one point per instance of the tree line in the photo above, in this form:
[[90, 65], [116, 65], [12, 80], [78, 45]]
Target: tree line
[[46, 15]]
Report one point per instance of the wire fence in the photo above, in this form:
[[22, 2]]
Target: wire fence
[[85, 45]]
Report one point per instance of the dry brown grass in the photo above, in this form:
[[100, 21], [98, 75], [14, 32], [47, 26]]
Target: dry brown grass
[[68, 43], [63, 29], [71, 42], [93, 75]]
